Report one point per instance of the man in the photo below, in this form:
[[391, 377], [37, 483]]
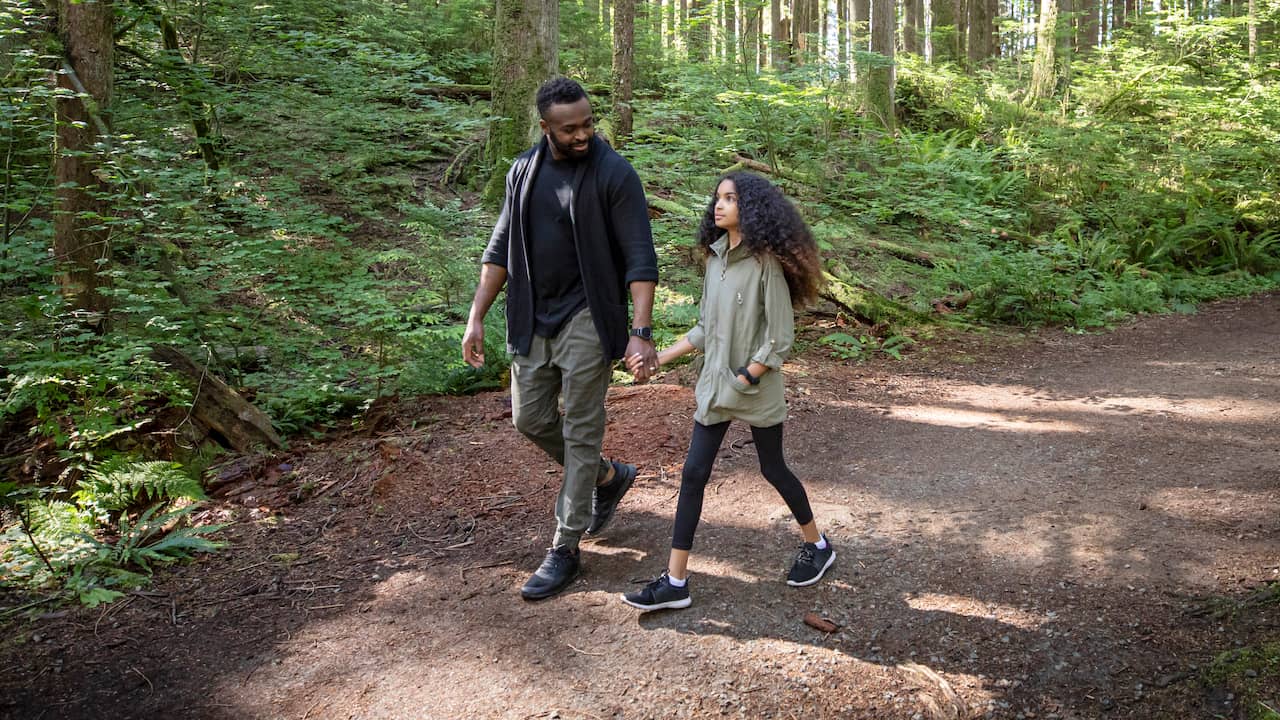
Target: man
[[573, 238]]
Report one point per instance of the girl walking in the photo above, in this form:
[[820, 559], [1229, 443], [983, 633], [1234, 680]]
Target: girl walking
[[761, 261]]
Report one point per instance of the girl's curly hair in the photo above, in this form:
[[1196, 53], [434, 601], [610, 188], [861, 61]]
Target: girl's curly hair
[[769, 223]]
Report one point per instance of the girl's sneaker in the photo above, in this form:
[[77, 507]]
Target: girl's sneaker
[[658, 595], [811, 563]]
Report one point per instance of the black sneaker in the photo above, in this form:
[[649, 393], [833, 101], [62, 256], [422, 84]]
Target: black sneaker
[[605, 498], [556, 572], [810, 564], [658, 595]]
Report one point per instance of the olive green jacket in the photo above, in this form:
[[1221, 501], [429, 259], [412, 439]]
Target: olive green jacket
[[745, 316]]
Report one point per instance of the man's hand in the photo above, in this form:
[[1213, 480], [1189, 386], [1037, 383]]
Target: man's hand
[[642, 359], [473, 345]]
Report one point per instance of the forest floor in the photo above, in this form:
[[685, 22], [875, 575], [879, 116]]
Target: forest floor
[[1049, 526]]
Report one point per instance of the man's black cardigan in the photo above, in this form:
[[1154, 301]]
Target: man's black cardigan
[[610, 229]]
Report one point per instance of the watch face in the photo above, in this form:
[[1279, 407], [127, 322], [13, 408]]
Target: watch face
[[643, 333]]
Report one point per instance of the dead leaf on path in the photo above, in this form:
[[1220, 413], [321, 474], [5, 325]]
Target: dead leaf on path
[[817, 622]]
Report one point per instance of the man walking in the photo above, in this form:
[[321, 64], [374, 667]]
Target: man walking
[[572, 240]]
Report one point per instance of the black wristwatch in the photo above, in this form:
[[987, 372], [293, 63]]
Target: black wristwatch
[[744, 372], [644, 333]]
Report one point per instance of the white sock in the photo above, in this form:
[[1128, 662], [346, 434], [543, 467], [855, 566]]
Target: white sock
[[822, 542], [676, 582]]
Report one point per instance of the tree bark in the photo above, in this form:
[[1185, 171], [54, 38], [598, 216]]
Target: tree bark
[[944, 30], [197, 110], [1253, 30], [779, 43], [699, 30], [880, 79], [842, 33], [526, 52], [910, 19], [216, 406], [624, 68], [804, 30], [80, 242], [1087, 27], [979, 33], [752, 17], [1043, 72], [729, 18]]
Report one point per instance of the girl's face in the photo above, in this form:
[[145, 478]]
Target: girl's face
[[726, 209]]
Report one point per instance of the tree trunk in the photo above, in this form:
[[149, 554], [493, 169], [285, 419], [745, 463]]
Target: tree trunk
[[86, 29], [1087, 28], [1043, 75], [197, 110], [979, 32], [752, 16], [1253, 30], [842, 34], [859, 36], [779, 46], [804, 30], [729, 15], [624, 67], [1117, 16], [881, 79], [960, 10], [699, 30], [526, 52], [910, 20], [944, 30], [993, 36]]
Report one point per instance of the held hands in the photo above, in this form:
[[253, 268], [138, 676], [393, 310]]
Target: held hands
[[642, 359]]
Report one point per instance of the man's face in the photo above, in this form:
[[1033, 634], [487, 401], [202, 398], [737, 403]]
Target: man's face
[[569, 128]]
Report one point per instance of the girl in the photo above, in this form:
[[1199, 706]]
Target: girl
[[761, 261]]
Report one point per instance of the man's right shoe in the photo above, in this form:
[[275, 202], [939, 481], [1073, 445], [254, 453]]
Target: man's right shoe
[[558, 569], [604, 501], [659, 595]]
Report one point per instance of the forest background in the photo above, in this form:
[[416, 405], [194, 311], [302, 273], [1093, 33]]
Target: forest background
[[228, 224]]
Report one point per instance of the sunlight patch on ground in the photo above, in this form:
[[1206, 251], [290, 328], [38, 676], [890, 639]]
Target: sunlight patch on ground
[[978, 609], [954, 417], [1018, 408], [1225, 507]]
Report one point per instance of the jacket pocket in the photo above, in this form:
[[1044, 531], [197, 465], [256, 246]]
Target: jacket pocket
[[734, 395]]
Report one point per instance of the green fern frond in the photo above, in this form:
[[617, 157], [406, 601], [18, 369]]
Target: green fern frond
[[115, 485]]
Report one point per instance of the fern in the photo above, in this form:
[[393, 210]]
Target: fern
[[135, 547], [115, 485]]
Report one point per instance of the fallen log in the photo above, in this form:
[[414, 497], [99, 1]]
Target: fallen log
[[234, 420]]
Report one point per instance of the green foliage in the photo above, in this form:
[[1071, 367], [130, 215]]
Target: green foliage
[[844, 346], [91, 546]]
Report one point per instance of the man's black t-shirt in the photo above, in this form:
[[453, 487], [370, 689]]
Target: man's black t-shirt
[[558, 293]]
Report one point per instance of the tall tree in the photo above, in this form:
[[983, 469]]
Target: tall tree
[[911, 16], [1253, 30], [80, 242], [729, 16], [943, 30], [779, 41], [804, 30], [1087, 26], [860, 36], [752, 17], [978, 45], [624, 67], [842, 33], [698, 39], [1043, 70], [526, 52], [881, 78]]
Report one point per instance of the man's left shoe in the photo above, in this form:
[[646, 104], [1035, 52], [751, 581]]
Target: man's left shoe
[[604, 501], [559, 569], [811, 563]]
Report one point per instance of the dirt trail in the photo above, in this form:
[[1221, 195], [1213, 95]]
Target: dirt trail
[[1024, 530]]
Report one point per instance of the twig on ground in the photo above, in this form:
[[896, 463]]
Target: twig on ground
[[150, 688], [584, 652], [463, 572]]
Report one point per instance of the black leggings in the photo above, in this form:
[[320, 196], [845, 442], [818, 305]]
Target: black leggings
[[703, 447]]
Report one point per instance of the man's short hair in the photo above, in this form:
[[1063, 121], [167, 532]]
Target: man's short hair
[[558, 91]]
